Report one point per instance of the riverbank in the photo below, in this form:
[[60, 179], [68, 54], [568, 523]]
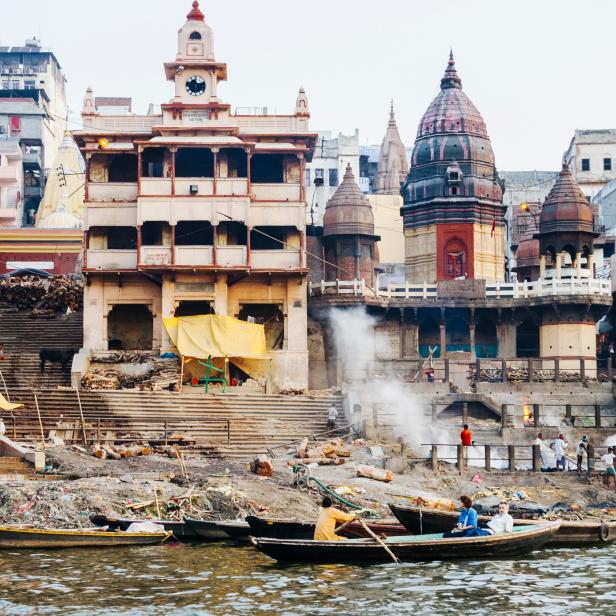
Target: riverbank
[[220, 489]]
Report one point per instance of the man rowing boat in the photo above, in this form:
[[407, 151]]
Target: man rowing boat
[[326, 524]]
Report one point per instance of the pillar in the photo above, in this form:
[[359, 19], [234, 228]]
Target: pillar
[[591, 264], [221, 295], [443, 338], [578, 264], [505, 335], [167, 306], [542, 267], [558, 264], [471, 329]]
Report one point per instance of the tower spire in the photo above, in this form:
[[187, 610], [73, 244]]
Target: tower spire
[[195, 13], [451, 79]]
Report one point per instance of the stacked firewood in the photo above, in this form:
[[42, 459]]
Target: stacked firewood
[[117, 452], [164, 375], [331, 452], [44, 296], [520, 375]]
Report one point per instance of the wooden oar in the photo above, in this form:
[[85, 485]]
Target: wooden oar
[[379, 541]]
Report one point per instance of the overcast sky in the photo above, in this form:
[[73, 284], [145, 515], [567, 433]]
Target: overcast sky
[[536, 69]]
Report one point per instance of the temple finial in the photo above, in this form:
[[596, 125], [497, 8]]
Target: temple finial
[[451, 79], [195, 13]]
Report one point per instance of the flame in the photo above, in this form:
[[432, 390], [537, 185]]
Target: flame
[[527, 414]]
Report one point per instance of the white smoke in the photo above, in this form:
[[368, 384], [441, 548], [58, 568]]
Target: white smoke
[[379, 391]]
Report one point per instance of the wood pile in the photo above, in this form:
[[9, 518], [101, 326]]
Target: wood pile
[[333, 452], [163, 375], [46, 297], [380, 474], [117, 452], [520, 375]]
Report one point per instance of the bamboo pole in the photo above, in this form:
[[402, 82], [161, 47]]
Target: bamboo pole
[[6, 389], [83, 421], [379, 541], [182, 374], [38, 412]]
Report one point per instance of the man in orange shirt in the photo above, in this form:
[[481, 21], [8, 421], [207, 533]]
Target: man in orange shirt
[[466, 436]]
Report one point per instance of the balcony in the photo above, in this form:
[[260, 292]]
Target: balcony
[[110, 215], [112, 260], [232, 186], [9, 174], [231, 256], [8, 213], [275, 259], [288, 215], [205, 186], [276, 192], [155, 255], [177, 209], [194, 256], [155, 186], [112, 191]]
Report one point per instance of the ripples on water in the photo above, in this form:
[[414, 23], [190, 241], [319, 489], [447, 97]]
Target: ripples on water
[[181, 580]]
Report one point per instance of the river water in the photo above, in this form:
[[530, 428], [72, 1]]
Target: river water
[[181, 580]]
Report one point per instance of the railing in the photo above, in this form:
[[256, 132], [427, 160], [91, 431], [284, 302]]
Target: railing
[[155, 255], [194, 255], [275, 259], [540, 370], [500, 290], [534, 416], [112, 259]]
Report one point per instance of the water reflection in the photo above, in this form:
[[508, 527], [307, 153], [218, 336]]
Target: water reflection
[[182, 580]]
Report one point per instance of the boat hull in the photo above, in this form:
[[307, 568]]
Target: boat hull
[[238, 531], [180, 529], [291, 529], [207, 530], [51, 539], [426, 548], [571, 533]]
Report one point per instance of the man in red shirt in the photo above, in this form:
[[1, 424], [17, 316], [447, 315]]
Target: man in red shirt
[[466, 436]]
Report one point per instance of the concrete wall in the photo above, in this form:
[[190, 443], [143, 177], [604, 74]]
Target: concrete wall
[[420, 254]]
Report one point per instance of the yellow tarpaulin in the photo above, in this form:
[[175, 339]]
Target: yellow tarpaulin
[[220, 336], [5, 405]]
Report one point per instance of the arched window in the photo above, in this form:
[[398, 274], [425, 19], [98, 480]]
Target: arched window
[[455, 255], [195, 36]]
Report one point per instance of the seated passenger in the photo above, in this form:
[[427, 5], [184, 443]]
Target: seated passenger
[[467, 521], [502, 522]]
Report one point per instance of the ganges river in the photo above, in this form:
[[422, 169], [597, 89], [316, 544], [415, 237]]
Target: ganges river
[[179, 580]]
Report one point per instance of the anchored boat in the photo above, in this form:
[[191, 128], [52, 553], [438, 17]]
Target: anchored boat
[[179, 528], [522, 540], [15, 537], [420, 520]]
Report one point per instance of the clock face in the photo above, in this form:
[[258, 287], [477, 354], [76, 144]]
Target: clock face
[[195, 85]]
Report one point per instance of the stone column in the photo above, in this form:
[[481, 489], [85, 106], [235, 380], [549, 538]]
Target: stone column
[[443, 339], [558, 264], [471, 329], [542, 267], [578, 264], [591, 265]]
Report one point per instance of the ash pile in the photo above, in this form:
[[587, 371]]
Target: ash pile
[[141, 370]]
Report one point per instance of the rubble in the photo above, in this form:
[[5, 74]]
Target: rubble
[[46, 297]]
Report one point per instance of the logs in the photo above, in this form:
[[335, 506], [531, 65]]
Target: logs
[[379, 474], [46, 297]]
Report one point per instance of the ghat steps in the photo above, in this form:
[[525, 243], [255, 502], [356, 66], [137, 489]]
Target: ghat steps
[[233, 424]]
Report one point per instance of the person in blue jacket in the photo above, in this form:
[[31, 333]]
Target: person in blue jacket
[[467, 522]]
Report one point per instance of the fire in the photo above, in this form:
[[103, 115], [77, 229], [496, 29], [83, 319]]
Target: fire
[[527, 414]]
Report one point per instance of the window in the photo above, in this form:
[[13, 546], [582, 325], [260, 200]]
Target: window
[[15, 124], [319, 177], [29, 84], [585, 164], [333, 177], [307, 177], [607, 164], [15, 84], [454, 190], [5, 84], [195, 36]]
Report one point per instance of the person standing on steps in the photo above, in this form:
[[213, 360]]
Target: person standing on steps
[[332, 416]]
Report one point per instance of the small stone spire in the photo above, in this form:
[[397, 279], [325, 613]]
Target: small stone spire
[[392, 115], [301, 104], [451, 79], [393, 163], [89, 104], [195, 13]]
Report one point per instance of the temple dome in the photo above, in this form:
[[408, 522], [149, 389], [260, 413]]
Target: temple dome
[[566, 208], [452, 130], [527, 253], [348, 212]]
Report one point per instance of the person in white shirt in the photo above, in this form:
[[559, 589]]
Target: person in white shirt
[[560, 446], [580, 452], [610, 471], [502, 522], [332, 415]]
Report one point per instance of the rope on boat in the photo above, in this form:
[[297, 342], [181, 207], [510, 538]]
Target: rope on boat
[[339, 498]]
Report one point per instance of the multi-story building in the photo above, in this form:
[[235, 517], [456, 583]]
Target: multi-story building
[[32, 72], [325, 171], [11, 178], [196, 210], [591, 156]]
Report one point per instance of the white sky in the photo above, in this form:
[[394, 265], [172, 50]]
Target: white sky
[[536, 69]]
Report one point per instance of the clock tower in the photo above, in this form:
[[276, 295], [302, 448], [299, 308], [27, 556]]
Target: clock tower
[[195, 71]]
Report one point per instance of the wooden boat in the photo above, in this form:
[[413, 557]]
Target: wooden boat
[[207, 530], [523, 540], [419, 520], [235, 529], [16, 537], [179, 528], [293, 529]]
